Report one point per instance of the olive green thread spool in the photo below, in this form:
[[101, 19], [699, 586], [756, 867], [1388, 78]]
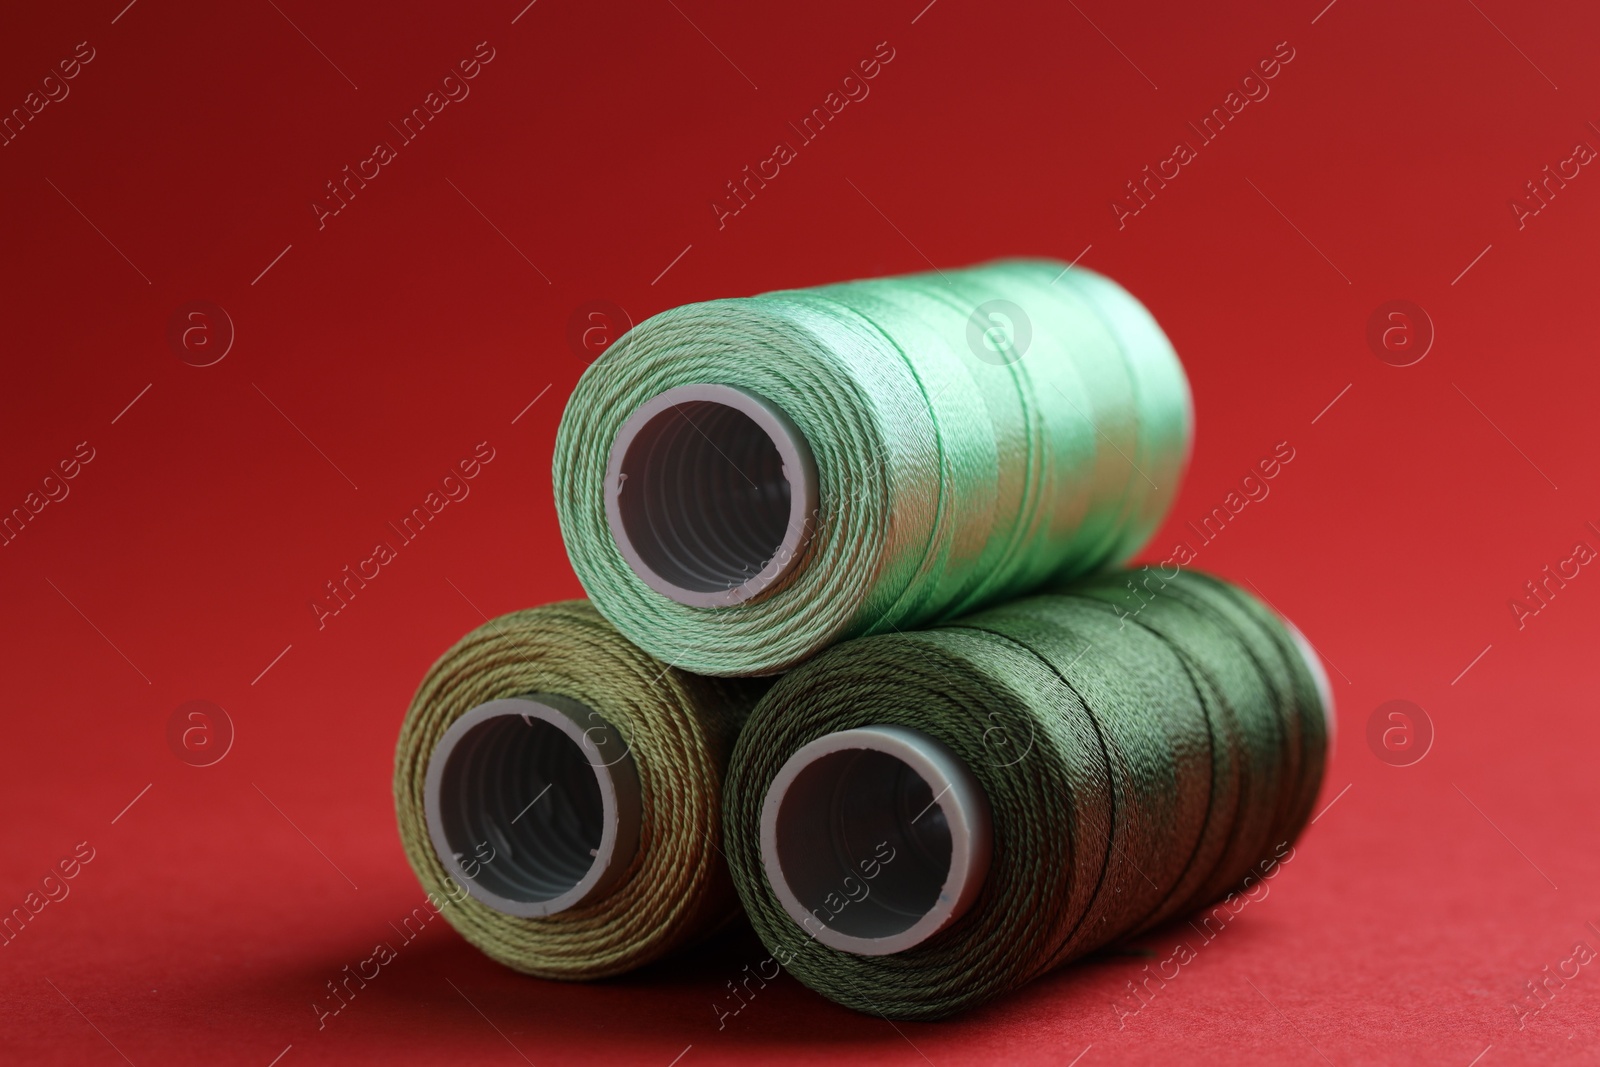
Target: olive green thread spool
[[570, 783]]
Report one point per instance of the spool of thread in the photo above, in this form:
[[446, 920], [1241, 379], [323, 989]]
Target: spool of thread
[[570, 783], [742, 483], [919, 822]]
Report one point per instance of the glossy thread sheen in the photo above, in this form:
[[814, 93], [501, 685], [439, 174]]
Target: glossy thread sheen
[[1141, 750], [976, 434]]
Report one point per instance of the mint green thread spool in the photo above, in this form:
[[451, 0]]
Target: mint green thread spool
[[744, 482]]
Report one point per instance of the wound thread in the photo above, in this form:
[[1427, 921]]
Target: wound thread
[[626, 713], [1139, 754], [934, 443]]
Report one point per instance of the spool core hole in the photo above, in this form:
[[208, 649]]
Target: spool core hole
[[708, 493], [857, 812], [876, 838], [533, 808]]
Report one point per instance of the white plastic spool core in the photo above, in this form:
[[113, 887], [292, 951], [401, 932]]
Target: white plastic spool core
[[532, 804], [875, 839], [710, 492]]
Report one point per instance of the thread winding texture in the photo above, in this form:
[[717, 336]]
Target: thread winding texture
[[680, 730], [976, 434], [1141, 749]]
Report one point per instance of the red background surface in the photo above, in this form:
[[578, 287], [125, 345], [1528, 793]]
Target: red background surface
[[410, 328]]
